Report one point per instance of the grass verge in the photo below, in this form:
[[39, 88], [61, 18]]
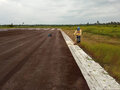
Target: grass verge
[[104, 49]]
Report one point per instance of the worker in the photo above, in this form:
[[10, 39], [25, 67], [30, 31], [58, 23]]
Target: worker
[[78, 34]]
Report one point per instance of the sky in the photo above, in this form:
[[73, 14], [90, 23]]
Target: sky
[[59, 11]]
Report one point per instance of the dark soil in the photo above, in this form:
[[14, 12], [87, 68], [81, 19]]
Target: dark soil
[[31, 60]]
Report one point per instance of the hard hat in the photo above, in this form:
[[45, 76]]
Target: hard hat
[[78, 28]]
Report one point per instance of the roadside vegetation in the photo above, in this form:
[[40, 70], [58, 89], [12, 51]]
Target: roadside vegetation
[[101, 42]]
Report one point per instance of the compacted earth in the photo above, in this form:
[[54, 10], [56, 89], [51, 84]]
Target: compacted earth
[[37, 60]]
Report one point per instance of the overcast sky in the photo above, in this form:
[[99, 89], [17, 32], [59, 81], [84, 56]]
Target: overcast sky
[[58, 11]]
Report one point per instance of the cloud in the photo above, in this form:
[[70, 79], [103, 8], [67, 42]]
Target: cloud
[[58, 11]]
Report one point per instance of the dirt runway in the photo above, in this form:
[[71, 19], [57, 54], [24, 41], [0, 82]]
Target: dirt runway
[[30, 60]]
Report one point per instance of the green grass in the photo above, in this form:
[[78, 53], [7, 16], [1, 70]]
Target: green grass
[[102, 43], [107, 55], [104, 53], [113, 31]]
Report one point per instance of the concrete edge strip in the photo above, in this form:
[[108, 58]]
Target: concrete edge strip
[[96, 77]]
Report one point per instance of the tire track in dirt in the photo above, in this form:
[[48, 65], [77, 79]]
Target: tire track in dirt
[[10, 57], [5, 53], [21, 63], [43, 82], [19, 38], [12, 37], [17, 34], [43, 64], [16, 42], [27, 70]]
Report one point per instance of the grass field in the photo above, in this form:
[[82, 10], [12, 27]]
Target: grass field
[[101, 42]]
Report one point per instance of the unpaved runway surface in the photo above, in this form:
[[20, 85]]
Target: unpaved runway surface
[[30, 60]]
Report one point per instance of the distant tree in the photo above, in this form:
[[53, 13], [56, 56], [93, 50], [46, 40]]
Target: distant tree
[[98, 22], [88, 24], [11, 25], [111, 22], [104, 23], [118, 23]]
